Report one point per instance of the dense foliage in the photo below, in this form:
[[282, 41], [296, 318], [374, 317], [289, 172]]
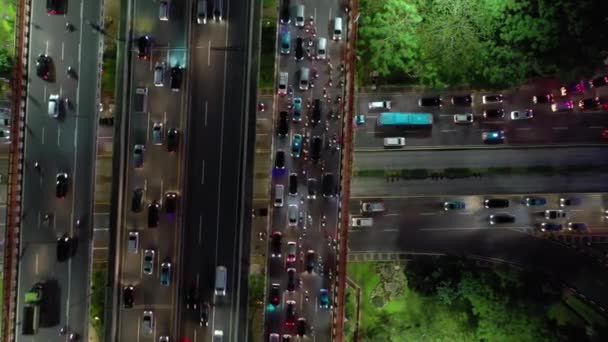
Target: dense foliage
[[481, 43]]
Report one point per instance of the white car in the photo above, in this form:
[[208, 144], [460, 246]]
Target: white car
[[463, 118], [5, 136], [54, 106], [379, 105], [522, 114], [394, 142], [159, 74]]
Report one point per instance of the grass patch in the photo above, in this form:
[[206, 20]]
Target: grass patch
[[98, 297], [108, 76], [586, 312], [7, 26], [267, 54]]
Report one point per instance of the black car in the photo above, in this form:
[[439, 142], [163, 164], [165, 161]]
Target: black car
[[497, 113], [312, 188], [279, 160], [170, 202], [462, 100], [434, 101], [293, 184], [144, 44], [310, 260], [291, 279], [328, 184], [43, 67], [315, 148], [172, 140], [128, 296], [204, 319], [317, 108], [275, 244], [299, 49], [176, 78], [137, 200], [496, 203], [275, 294], [301, 326], [599, 82], [54, 7], [290, 313], [542, 98], [191, 298], [285, 12], [592, 103], [153, 213], [64, 248], [61, 185], [283, 125], [501, 218]]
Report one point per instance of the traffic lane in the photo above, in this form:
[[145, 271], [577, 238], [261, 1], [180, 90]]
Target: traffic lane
[[503, 244], [479, 158]]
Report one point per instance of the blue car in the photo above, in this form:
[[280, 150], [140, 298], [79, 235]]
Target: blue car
[[324, 299], [285, 42], [531, 201], [296, 146], [453, 205], [360, 119], [493, 137], [550, 227], [297, 109]]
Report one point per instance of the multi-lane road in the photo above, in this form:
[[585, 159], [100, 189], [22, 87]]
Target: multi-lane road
[[65, 144]]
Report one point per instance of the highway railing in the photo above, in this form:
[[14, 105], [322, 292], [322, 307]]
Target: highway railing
[[15, 171]]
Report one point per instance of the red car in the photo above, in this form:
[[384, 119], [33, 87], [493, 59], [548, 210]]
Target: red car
[[605, 134], [261, 107]]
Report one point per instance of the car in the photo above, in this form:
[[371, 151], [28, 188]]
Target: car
[[534, 201], [501, 218], [297, 109], [170, 202], [165, 274], [283, 124], [163, 339], [604, 134], [360, 119], [572, 88], [144, 44], [301, 326], [592, 103], [261, 107], [542, 98], [463, 118], [201, 12], [285, 12], [489, 99], [304, 75], [577, 226], [54, 7], [321, 48], [566, 202], [286, 338], [296, 145], [292, 215], [43, 67], [317, 109], [147, 323], [54, 106], [275, 244], [217, 10], [283, 83], [64, 248], [291, 251], [492, 203], [191, 297], [550, 226], [274, 294], [138, 156], [328, 185], [522, 114], [290, 313], [379, 105], [372, 207], [462, 100], [205, 309], [61, 185], [562, 106], [434, 101], [311, 185], [299, 55], [299, 16], [453, 205], [493, 137], [555, 214], [293, 184], [285, 42], [148, 265], [497, 113], [323, 299], [599, 81], [159, 74], [291, 279], [172, 140], [137, 200], [218, 335], [5, 136], [279, 160], [274, 337], [133, 242], [157, 133], [310, 261], [315, 148], [176, 77], [153, 214], [128, 296]]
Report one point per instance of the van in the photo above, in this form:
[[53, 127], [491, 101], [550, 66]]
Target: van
[[220, 281], [283, 80], [217, 10], [338, 28], [394, 142], [321, 48], [201, 12], [218, 336], [304, 75], [357, 222], [163, 10], [299, 16], [292, 215], [278, 195]]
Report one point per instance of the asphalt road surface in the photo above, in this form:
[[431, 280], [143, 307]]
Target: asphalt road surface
[[420, 225], [215, 233], [160, 174], [59, 145]]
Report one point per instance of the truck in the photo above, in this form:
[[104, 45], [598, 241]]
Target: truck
[[140, 100], [372, 207], [31, 310], [405, 119]]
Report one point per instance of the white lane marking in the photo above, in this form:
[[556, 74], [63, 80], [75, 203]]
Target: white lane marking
[[206, 111], [162, 184], [330, 15], [392, 214], [203, 173], [371, 116], [495, 122], [75, 138], [262, 134], [447, 130], [36, 264], [148, 127], [440, 115], [46, 49], [200, 234], [474, 228], [427, 214], [138, 318], [58, 136], [576, 210], [62, 50], [195, 335], [209, 53], [390, 230], [560, 128], [371, 132], [262, 119], [595, 127], [523, 128]]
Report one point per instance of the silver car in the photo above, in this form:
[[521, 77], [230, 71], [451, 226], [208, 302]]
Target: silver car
[[147, 323], [157, 133], [159, 74], [463, 118], [133, 244], [54, 106], [522, 114], [149, 261], [138, 156]]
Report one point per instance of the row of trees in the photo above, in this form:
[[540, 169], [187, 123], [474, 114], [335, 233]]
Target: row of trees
[[481, 43]]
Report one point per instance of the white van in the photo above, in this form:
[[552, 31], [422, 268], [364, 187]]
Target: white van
[[321, 48], [338, 28], [304, 76], [292, 215], [394, 142], [357, 222], [279, 193], [201, 12], [220, 281], [163, 10], [218, 336]]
